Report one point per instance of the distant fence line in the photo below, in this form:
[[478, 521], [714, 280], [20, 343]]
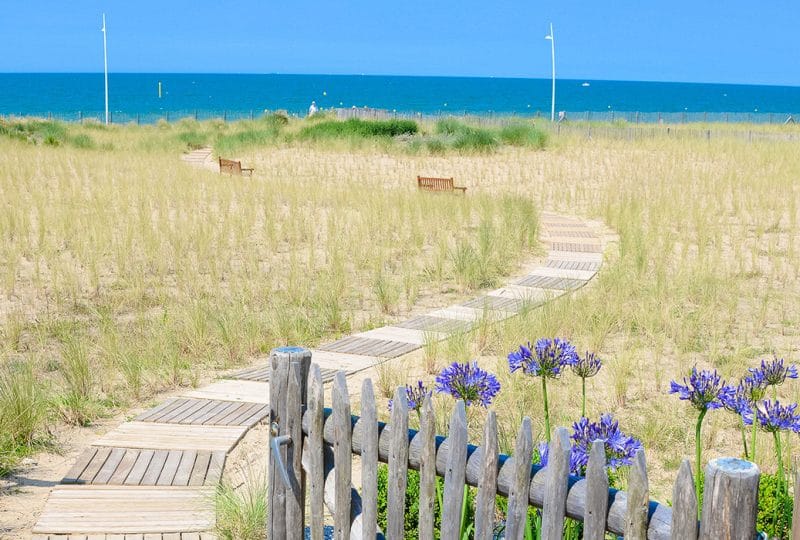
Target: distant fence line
[[610, 116]]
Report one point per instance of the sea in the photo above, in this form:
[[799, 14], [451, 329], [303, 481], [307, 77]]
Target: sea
[[148, 97]]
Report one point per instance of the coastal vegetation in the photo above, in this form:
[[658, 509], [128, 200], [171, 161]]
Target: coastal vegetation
[[124, 273]]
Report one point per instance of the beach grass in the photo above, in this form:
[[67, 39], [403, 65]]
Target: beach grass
[[165, 273]]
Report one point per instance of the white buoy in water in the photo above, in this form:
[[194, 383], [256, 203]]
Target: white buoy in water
[[159, 89]]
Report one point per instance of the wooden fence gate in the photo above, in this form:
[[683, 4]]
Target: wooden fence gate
[[311, 449]]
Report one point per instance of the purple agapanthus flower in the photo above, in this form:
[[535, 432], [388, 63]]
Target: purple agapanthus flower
[[620, 448], [750, 390], [468, 382], [547, 359], [774, 372], [415, 396], [587, 366], [704, 389], [772, 416]]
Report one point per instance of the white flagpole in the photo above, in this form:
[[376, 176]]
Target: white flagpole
[[105, 62]]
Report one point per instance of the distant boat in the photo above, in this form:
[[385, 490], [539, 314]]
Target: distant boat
[[585, 84]]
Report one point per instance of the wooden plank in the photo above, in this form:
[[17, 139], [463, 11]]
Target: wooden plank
[[125, 467], [178, 408], [370, 347], [487, 485], [158, 436], [397, 333], [215, 467], [328, 360], [94, 467], [210, 415], [427, 468], [518, 497], [170, 468], [455, 475], [638, 499], [232, 412], [556, 486], [233, 390], [134, 478], [369, 461], [125, 510], [200, 469], [684, 505], [398, 465], [111, 464], [184, 472], [342, 448], [154, 469], [316, 477], [199, 406], [258, 415], [435, 324], [74, 473], [594, 521]]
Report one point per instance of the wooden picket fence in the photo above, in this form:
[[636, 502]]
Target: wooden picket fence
[[313, 445]]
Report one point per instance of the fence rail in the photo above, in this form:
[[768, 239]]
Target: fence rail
[[321, 443], [610, 116]]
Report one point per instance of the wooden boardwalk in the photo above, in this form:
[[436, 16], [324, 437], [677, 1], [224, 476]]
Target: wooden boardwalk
[[153, 478]]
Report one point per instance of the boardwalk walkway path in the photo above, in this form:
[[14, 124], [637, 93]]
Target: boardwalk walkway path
[[153, 478]]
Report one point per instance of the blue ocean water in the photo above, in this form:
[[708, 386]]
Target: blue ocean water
[[134, 96]]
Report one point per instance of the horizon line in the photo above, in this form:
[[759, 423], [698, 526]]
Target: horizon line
[[503, 77]]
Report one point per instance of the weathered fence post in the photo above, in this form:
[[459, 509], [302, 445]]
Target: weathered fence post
[[556, 485], [730, 500], [289, 368], [684, 505]]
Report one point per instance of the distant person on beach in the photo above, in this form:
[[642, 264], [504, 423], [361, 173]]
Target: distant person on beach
[[562, 115], [312, 109]]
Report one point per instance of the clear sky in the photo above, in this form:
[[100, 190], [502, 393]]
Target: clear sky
[[737, 41]]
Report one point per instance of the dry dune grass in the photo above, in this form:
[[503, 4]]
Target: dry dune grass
[[196, 269]]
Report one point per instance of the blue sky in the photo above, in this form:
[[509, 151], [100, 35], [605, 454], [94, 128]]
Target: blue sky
[[682, 40]]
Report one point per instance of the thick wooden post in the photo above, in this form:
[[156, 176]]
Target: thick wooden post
[[288, 394], [730, 500]]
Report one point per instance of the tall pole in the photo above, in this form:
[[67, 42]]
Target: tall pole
[[105, 62], [552, 39]]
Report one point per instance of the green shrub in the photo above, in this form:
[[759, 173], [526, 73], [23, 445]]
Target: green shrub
[[411, 513], [23, 413], [774, 508], [193, 139], [475, 140], [230, 143], [355, 127], [450, 126], [436, 146], [242, 512], [523, 135], [81, 140]]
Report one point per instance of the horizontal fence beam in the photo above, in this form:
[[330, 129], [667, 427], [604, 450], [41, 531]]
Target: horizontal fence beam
[[659, 515]]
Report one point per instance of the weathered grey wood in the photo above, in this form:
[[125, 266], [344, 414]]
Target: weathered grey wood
[[638, 499], [487, 484], [279, 380], [594, 521], [796, 509], [730, 497], [295, 497], [684, 505], [80, 465], [342, 453], [369, 461], [556, 486], [398, 465], [660, 515], [427, 469], [455, 475], [286, 363], [200, 469], [313, 447], [329, 480], [518, 497]]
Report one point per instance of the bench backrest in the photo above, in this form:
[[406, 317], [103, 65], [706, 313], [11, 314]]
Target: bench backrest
[[230, 166], [435, 184]]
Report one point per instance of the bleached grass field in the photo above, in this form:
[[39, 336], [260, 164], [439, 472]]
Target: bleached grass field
[[125, 272]]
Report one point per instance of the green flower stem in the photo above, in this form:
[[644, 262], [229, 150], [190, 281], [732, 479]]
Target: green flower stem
[[583, 397], [744, 436], [546, 410], [781, 481], [698, 447], [753, 438]]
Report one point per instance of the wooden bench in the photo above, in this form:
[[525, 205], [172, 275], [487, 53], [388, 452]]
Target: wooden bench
[[233, 167], [438, 184]]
